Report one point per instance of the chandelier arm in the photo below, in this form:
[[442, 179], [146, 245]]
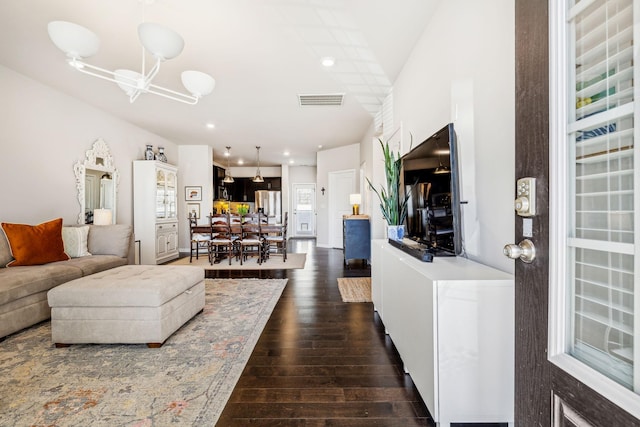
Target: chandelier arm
[[108, 75], [152, 74], [172, 94]]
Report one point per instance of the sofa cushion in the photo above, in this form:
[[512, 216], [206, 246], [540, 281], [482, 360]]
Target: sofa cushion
[[19, 282], [75, 241], [95, 263], [5, 250], [35, 244], [110, 240]]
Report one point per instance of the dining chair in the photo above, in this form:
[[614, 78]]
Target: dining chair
[[200, 237], [276, 241], [222, 241], [250, 241]]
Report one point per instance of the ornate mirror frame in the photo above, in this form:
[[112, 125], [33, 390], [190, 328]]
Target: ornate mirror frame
[[98, 158]]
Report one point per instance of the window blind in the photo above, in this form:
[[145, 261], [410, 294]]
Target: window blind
[[602, 195]]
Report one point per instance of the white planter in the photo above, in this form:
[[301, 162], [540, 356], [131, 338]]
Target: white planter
[[395, 232]]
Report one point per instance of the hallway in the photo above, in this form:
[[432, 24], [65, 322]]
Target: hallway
[[319, 361]]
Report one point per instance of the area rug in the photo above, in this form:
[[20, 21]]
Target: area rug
[[186, 382], [273, 263], [355, 289]]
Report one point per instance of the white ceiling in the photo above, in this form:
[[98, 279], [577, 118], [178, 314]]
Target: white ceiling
[[262, 53]]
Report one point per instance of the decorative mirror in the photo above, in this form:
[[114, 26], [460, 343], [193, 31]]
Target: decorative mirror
[[97, 184]]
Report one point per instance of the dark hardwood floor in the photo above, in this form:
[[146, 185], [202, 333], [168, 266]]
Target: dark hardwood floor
[[319, 361]]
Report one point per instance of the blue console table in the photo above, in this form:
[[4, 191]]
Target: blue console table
[[356, 237]]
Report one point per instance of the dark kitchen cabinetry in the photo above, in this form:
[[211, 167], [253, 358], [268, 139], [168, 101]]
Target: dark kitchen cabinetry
[[243, 189], [218, 185]]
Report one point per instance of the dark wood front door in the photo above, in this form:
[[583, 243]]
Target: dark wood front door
[[545, 395]]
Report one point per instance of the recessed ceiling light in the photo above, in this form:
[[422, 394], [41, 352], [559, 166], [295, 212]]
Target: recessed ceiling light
[[328, 61], [210, 126], [241, 162], [286, 153], [291, 162], [320, 146]]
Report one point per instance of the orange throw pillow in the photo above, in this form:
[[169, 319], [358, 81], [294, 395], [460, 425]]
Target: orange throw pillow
[[35, 244]]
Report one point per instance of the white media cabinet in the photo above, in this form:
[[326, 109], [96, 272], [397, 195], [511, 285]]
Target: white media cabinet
[[452, 321]]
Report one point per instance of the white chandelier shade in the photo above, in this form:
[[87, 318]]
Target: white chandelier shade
[[73, 39], [161, 42], [197, 82]]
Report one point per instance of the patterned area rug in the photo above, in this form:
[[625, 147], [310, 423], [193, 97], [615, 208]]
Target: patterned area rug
[[355, 289], [186, 382]]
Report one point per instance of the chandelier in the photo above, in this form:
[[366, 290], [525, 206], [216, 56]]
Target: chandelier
[[78, 42], [258, 177]]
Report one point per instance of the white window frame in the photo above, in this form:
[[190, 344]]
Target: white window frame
[[558, 208]]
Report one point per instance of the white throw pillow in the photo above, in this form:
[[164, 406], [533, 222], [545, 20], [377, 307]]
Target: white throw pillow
[[75, 241]]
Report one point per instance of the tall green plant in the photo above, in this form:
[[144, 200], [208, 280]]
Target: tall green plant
[[393, 208]]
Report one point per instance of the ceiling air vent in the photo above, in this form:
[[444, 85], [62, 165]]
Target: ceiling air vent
[[333, 99]]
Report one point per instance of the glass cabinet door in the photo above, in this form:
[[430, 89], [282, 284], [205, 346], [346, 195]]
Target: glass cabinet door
[[161, 197], [171, 195]]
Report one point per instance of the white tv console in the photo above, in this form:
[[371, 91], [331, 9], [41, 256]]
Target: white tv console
[[452, 321]]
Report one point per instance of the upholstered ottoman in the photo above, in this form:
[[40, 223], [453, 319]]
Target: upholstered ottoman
[[131, 304]]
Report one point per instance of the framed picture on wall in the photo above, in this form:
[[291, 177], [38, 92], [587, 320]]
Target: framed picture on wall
[[193, 194], [193, 209]]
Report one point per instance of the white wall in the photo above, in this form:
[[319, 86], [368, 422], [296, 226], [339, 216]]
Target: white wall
[[337, 159], [462, 70], [302, 174], [44, 132], [250, 171], [196, 170]]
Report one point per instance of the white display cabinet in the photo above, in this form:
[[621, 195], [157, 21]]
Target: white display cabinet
[[452, 322], [155, 210]]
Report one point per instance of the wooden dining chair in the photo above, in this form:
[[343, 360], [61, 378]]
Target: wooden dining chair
[[222, 241], [200, 237], [251, 242], [276, 242]]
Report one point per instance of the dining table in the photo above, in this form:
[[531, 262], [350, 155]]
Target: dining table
[[236, 229]]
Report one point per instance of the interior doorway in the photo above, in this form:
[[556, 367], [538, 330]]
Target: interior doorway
[[304, 210]]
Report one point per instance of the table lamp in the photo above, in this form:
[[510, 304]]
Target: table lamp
[[102, 216], [355, 200]]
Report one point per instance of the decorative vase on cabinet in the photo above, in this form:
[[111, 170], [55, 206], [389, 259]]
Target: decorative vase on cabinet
[[148, 154], [155, 210]]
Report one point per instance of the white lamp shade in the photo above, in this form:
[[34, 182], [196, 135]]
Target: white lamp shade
[[128, 80], [73, 39], [102, 216], [160, 41], [198, 83], [355, 199]]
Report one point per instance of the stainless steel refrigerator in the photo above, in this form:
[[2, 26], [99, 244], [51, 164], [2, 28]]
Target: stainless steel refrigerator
[[270, 203]]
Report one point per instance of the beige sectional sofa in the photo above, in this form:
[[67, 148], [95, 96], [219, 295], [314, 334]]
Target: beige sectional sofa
[[23, 290]]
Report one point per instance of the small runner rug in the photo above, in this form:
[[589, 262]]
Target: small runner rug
[[186, 382], [355, 289]]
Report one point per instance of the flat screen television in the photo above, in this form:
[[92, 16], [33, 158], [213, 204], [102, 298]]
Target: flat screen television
[[431, 179]]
